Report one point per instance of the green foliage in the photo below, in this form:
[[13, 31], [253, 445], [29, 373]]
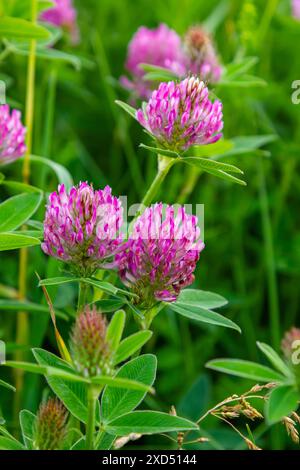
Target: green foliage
[[116, 402], [282, 402], [197, 306], [148, 422]]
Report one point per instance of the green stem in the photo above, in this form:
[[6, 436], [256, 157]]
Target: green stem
[[164, 166], [82, 293], [91, 419], [50, 111], [266, 19], [30, 96], [49, 123], [269, 258], [22, 332]]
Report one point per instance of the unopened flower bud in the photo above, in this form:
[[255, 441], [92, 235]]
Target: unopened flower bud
[[89, 349], [51, 425], [202, 58]]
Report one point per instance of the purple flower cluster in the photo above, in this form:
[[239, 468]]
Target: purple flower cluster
[[12, 135], [161, 254], [62, 14], [179, 115], [82, 227], [163, 47], [156, 262], [296, 8]]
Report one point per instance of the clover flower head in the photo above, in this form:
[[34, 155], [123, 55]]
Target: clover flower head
[[161, 47], [202, 58], [12, 135], [180, 115], [161, 254], [290, 342], [89, 349], [296, 8], [51, 425], [63, 14], [82, 227]]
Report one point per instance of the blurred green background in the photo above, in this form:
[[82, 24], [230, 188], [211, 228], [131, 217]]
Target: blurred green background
[[252, 238]]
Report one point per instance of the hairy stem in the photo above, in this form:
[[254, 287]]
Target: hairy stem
[[82, 293], [164, 166], [91, 419]]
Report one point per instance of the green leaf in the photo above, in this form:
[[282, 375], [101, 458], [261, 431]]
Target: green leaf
[[131, 344], [217, 16], [245, 369], [245, 81], [207, 164], [197, 399], [80, 444], [201, 298], [115, 330], [30, 307], [210, 150], [157, 74], [48, 371], [22, 8], [72, 394], [61, 172], [116, 402], [246, 144], [109, 305], [149, 422], [203, 315], [101, 285], [159, 77], [104, 441], [31, 233], [6, 385], [164, 152], [4, 431], [21, 187], [17, 28], [12, 241], [215, 168], [27, 423], [129, 109], [48, 53], [238, 68], [16, 210], [274, 359], [282, 402], [10, 444], [120, 383]]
